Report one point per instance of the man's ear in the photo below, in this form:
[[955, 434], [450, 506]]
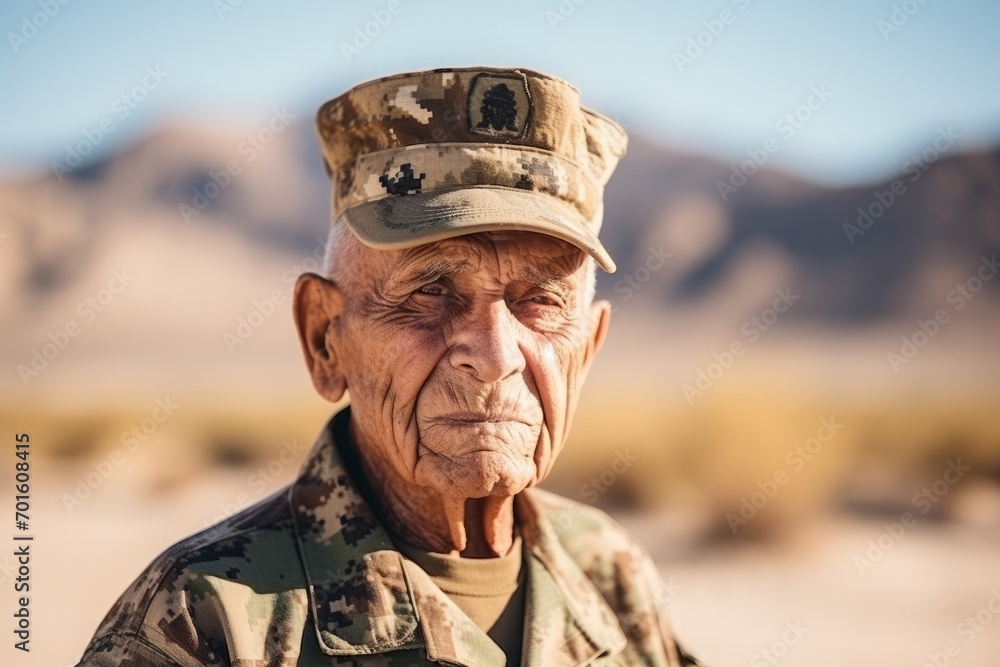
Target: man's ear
[[317, 306], [600, 319]]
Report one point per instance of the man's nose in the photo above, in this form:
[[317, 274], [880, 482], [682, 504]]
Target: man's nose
[[485, 343]]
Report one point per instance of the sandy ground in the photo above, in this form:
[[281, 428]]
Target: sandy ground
[[806, 603], [803, 600]]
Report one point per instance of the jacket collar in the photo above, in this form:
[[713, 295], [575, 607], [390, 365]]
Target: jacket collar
[[367, 598]]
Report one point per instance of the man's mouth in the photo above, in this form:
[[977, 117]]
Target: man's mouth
[[459, 418]]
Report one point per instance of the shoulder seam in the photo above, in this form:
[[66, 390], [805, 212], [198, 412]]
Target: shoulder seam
[[171, 564]]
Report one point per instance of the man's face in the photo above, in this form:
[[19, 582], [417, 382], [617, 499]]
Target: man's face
[[464, 358]]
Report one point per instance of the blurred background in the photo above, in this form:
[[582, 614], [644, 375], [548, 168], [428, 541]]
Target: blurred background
[[797, 407]]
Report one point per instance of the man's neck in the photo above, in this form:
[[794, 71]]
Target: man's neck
[[432, 521]]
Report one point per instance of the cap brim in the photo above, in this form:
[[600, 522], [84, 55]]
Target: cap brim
[[404, 221]]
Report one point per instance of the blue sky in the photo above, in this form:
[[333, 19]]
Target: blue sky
[[889, 85]]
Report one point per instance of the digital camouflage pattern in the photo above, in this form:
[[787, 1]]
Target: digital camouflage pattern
[[422, 156], [309, 577]]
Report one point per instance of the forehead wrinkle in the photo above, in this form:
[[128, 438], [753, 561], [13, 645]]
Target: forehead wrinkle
[[515, 259], [430, 261], [541, 272], [543, 260], [551, 270]]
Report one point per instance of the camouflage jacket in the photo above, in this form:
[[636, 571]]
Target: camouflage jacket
[[308, 577]]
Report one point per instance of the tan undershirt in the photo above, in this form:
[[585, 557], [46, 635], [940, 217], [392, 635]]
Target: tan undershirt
[[490, 591]]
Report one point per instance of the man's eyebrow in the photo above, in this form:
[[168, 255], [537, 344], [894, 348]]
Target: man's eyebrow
[[548, 274], [408, 273]]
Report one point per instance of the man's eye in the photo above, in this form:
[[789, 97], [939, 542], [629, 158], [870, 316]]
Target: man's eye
[[542, 299], [432, 289]]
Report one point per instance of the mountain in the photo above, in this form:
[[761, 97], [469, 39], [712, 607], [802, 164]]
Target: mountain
[[849, 266], [209, 241]]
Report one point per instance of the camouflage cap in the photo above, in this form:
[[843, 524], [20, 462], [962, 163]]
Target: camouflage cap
[[424, 156]]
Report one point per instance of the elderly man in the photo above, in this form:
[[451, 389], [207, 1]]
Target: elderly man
[[458, 313]]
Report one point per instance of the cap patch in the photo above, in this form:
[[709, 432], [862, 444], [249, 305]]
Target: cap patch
[[499, 106]]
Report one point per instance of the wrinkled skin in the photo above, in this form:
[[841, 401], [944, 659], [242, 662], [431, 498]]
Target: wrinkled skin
[[464, 359]]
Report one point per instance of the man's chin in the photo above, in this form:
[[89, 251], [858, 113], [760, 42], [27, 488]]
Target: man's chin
[[475, 474]]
